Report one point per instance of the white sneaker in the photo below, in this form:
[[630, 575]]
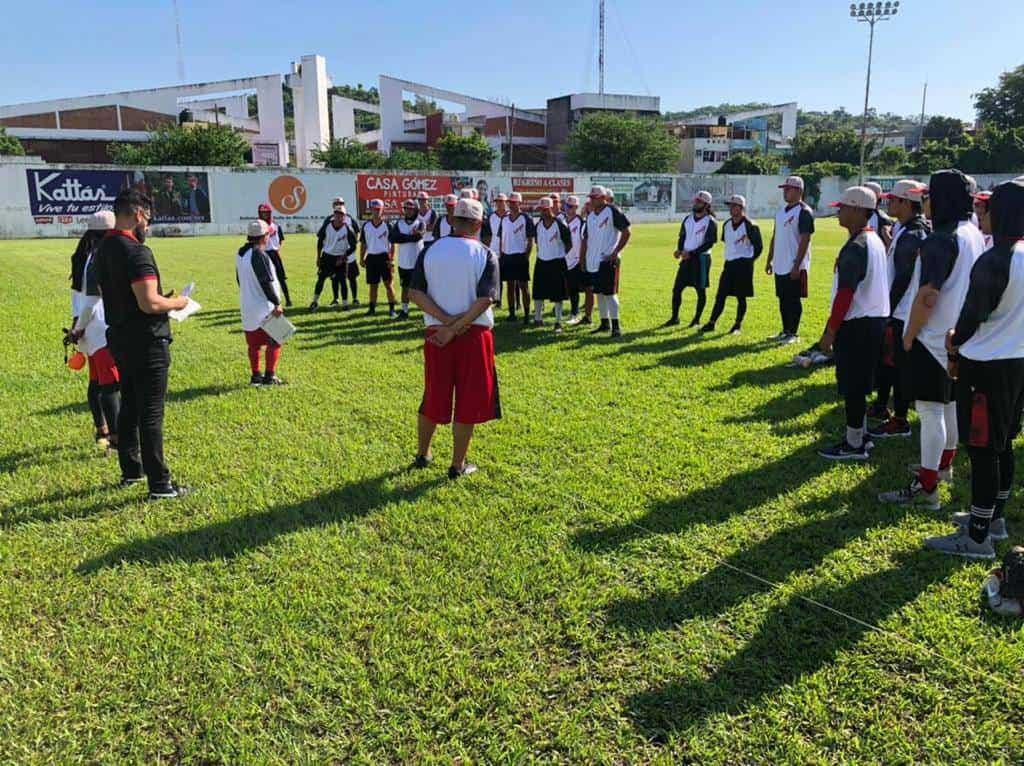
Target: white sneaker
[[789, 340]]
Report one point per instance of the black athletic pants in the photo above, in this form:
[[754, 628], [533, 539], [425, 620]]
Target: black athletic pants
[[140, 450], [719, 307], [791, 307]]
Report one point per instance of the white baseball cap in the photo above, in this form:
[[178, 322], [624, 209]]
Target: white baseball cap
[[467, 194], [102, 220], [598, 191], [501, 197], [572, 200], [515, 197], [338, 201], [544, 203], [555, 197], [450, 200], [857, 196], [375, 203], [409, 203], [702, 196], [793, 182], [737, 199], [906, 189], [422, 195], [469, 208], [875, 187], [257, 228]]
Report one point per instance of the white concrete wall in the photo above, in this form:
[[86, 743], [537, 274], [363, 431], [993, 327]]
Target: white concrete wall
[[235, 194]]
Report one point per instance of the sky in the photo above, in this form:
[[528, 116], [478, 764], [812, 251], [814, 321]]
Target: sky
[[689, 54]]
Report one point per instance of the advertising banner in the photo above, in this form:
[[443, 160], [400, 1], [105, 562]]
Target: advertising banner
[[394, 188], [178, 197], [534, 187], [646, 193], [300, 200]]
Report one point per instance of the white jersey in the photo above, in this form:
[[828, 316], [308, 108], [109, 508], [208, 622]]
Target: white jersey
[[1001, 335], [495, 221], [456, 270], [871, 297], [408, 252], [254, 303], [572, 258], [737, 241], [515, 232], [951, 297], [787, 239], [695, 230], [91, 319], [427, 221], [335, 240], [377, 238], [444, 228], [603, 232], [550, 243], [275, 237]]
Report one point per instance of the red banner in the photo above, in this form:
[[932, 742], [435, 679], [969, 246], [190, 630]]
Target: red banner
[[533, 189], [394, 189]]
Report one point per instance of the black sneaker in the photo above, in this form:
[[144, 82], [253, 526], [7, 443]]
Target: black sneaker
[[892, 428], [287, 304], [256, 379], [511, 318], [878, 412], [458, 473], [671, 322], [272, 380], [527, 320], [392, 314], [844, 451], [736, 330], [403, 314], [616, 329], [693, 323], [313, 306], [171, 491], [422, 461], [586, 320], [372, 311], [127, 481], [709, 327], [605, 326], [334, 303], [355, 302]]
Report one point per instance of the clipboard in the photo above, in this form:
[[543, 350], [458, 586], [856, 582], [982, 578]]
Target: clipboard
[[278, 328]]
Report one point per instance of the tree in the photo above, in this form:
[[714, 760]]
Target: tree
[[813, 173], [932, 156], [347, 154], [940, 128], [994, 150], [750, 164], [471, 152], [889, 160], [407, 159], [841, 145], [218, 145], [1003, 105], [9, 145], [616, 143]]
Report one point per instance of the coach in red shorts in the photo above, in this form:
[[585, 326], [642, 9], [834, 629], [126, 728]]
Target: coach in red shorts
[[454, 284]]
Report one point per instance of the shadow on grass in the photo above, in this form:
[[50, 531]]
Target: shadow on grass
[[794, 641], [173, 396], [12, 461], [30, 511], [230, 538]]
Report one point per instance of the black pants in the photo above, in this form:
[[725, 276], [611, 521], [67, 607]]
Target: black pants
[[719, 307], [791, 307], [282, 277], [347, 280], [140, 427]]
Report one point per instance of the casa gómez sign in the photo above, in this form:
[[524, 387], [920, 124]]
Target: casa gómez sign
[[394, 189]]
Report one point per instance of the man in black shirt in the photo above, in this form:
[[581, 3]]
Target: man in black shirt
[[139, 336]]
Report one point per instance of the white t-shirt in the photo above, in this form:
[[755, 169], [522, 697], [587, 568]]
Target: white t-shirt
[[495, 221], [515, 232], [871, 296], [275, 237], [602, 234], [455, 272], [695, 230], [427, 221], [254, 302], [737, 241], [335, 240], [408, 252], [550, 242], [572, 258], [91, 318], [376, 237], [787, 238], [1001, 336]]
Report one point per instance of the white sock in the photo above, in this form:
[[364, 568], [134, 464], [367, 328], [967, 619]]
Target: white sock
[[405, 307], [602, 306], [933, 433], [613, 306], [952, 429], [558, 313], [538, 310], [855, 436]]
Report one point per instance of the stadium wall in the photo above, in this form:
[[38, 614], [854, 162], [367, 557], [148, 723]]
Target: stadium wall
[[45, 200]]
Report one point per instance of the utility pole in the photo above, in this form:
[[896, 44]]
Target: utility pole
[[871, 13], [511, 135], [924, 97], [600, 48], [177, 33]]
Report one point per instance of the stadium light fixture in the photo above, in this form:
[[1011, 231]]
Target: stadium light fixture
[[871, 14]]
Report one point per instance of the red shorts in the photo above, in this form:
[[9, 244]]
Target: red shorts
[[102, 368], [464, 369], [259, 338]]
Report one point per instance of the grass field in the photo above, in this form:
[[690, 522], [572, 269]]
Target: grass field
[[577, 600]]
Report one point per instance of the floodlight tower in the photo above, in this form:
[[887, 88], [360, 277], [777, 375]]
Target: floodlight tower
[[870, 13], [600, 48]]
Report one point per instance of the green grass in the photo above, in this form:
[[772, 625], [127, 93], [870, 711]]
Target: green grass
[[577, 600]]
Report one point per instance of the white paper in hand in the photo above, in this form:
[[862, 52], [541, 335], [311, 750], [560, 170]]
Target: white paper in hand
[[189, 289], [180, 315], [278, 328]]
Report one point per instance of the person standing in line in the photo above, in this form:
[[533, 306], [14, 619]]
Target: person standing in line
[[697, 235], [574, 273], [517, 235], [275, 239], [455, 284], [880, 220], [553, 243], [259, 295], [446, 223], [789, 257], [909, 231], [377, 255], [89, 331], [981, 200], [495, 220], [427, 218], [986, 352], [139, 337], [335, 242], [407, 234], [743, 246], [939, 285], [605, 236], [860, 308]]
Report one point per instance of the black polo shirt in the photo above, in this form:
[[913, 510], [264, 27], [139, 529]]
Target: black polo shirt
[[120, 262]]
